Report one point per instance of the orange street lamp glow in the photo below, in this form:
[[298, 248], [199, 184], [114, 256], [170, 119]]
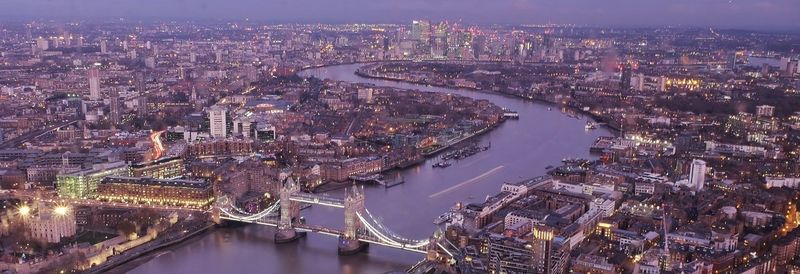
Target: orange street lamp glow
[[24, 210]]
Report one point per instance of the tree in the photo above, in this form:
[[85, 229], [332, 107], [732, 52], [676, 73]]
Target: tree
[[126, 228]]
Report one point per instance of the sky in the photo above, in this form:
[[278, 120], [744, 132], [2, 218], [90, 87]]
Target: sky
[[719, 13]]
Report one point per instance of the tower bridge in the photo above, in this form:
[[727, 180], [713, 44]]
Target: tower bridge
[[360, 226]]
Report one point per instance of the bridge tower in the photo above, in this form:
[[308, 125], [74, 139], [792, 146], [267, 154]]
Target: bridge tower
[[353, 204], [215, 215], [290, 211], [432, 252]]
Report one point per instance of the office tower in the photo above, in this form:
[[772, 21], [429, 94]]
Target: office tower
[[132, 54], [697, 174], [550, 252], [103, 46], [218, 57], [625, 78], [94, 84], [439, 46], [421, 33], [217, 122], [541, 246], [42, 44]]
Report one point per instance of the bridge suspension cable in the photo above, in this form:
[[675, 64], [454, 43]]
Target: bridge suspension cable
[[240, 214], [385, 235]]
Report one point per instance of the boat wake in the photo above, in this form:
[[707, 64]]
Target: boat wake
[[474, 179]]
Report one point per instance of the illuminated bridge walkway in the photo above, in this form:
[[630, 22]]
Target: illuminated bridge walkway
[[361, 227]]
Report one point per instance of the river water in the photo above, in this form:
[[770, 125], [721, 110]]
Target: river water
[[519, 149]]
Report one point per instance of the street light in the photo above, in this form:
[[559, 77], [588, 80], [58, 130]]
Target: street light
[[61, 210], [24, 210]]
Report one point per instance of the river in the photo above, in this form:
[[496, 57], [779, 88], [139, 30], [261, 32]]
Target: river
[[519, 149]]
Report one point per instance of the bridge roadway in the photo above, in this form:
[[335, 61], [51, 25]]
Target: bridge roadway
[[317, 200], [372, 232], [364, 236]]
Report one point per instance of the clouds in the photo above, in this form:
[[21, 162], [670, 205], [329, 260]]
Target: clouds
[[736, 13]]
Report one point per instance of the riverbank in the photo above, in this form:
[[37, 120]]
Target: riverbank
[[598, 119], [148, 251], [462, 139], [333, 186]]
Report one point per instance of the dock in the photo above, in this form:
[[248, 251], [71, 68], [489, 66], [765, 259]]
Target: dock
[[377, 179]]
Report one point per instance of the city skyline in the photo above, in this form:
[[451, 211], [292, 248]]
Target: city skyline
[[769, 14], [427, 145]]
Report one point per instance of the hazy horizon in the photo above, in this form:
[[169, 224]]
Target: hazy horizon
[[758, 14]]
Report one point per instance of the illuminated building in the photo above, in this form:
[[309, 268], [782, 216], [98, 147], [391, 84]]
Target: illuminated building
[[49, 225], [697, 174], [342, 170], [218, 126], [164, 168], [143, 190], [542, 245], [765, 111], [421, 31], [94, 84], [509, 254], [220, 147], [684, 83], [439, 41], [82, 184], [550, 252]]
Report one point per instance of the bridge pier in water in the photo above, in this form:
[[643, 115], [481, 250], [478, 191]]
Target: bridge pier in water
[[353, 204], [361, 228], [290, 213]]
